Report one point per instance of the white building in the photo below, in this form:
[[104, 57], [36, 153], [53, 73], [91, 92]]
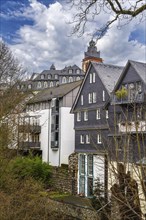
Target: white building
[[46, 126]]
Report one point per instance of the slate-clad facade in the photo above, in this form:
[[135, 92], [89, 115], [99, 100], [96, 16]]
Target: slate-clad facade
[[91, 124], [129, 112], [109, 125]]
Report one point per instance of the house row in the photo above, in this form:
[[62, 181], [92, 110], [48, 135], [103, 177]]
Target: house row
[[92, 124]]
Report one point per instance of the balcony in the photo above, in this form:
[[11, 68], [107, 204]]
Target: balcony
[[29, 145], [136, 98], [132, 127], [30, 129]]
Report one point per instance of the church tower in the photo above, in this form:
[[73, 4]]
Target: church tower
[[91, 55]]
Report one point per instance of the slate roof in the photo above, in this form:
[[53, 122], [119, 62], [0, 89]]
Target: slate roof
[[55, 92], [65, 71], [109, 74], [140, 69]]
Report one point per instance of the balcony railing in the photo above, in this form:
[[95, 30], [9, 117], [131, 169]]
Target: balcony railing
[[30, 129], [29, 145], [136, 98], [132, 127]]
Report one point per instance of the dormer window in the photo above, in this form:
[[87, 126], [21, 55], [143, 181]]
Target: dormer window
[[70, 71], [78, 71], [56, 76], [49, 76], [42, 76]]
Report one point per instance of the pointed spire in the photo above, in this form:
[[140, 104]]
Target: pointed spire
[[52, 67], [91, 55]]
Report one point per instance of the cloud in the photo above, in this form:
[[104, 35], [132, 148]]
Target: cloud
[[47, 41]]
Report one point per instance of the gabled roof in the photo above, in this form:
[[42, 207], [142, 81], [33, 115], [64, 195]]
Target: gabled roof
[[55, 92], [139, 67], [109, 74]]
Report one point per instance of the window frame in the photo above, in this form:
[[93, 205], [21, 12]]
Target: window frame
[[86, 115], [98, 112], [99, 138], [82, 139], [79, 116]]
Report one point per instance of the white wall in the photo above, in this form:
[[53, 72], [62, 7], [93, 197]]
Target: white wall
[[67, 134], [44, 121]]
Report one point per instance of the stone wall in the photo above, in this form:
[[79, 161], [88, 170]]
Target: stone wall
[[70, 211], [64, 178]]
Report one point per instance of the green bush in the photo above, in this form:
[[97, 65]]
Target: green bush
[[24, 167]]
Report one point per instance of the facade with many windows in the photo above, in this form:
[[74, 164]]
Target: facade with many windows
[[52, 77], [112, 129], [46, 126], [91, 125]]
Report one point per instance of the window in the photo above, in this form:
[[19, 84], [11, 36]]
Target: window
[[82, 100], [103, 96], [56, 76], [99, 141], [49, 76], [77, 78], [94, 97], [70, 79], [85, 115], [90, 98], [78, 116], [92, 77], [63, 79], [98, 113], [29, 86], [42, 76], [87, 139], [39, 85], [51, 84], [70, 71], [106, 114], [78, 71], [45, 84], [90, 164], [81, 139]]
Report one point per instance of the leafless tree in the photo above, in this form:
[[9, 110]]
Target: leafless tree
[[122, 11]]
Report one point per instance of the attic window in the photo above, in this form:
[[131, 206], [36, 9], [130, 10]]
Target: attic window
[[78, 71], [42, 76], [70, 71]]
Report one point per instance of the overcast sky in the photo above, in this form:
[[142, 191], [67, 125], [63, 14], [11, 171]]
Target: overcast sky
[[38, 32]]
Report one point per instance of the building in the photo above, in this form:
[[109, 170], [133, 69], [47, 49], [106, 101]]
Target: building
[[52, 77], [110, 129], [46, 126], [91, 125]]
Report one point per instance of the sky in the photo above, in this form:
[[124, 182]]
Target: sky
[[39, 33]]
